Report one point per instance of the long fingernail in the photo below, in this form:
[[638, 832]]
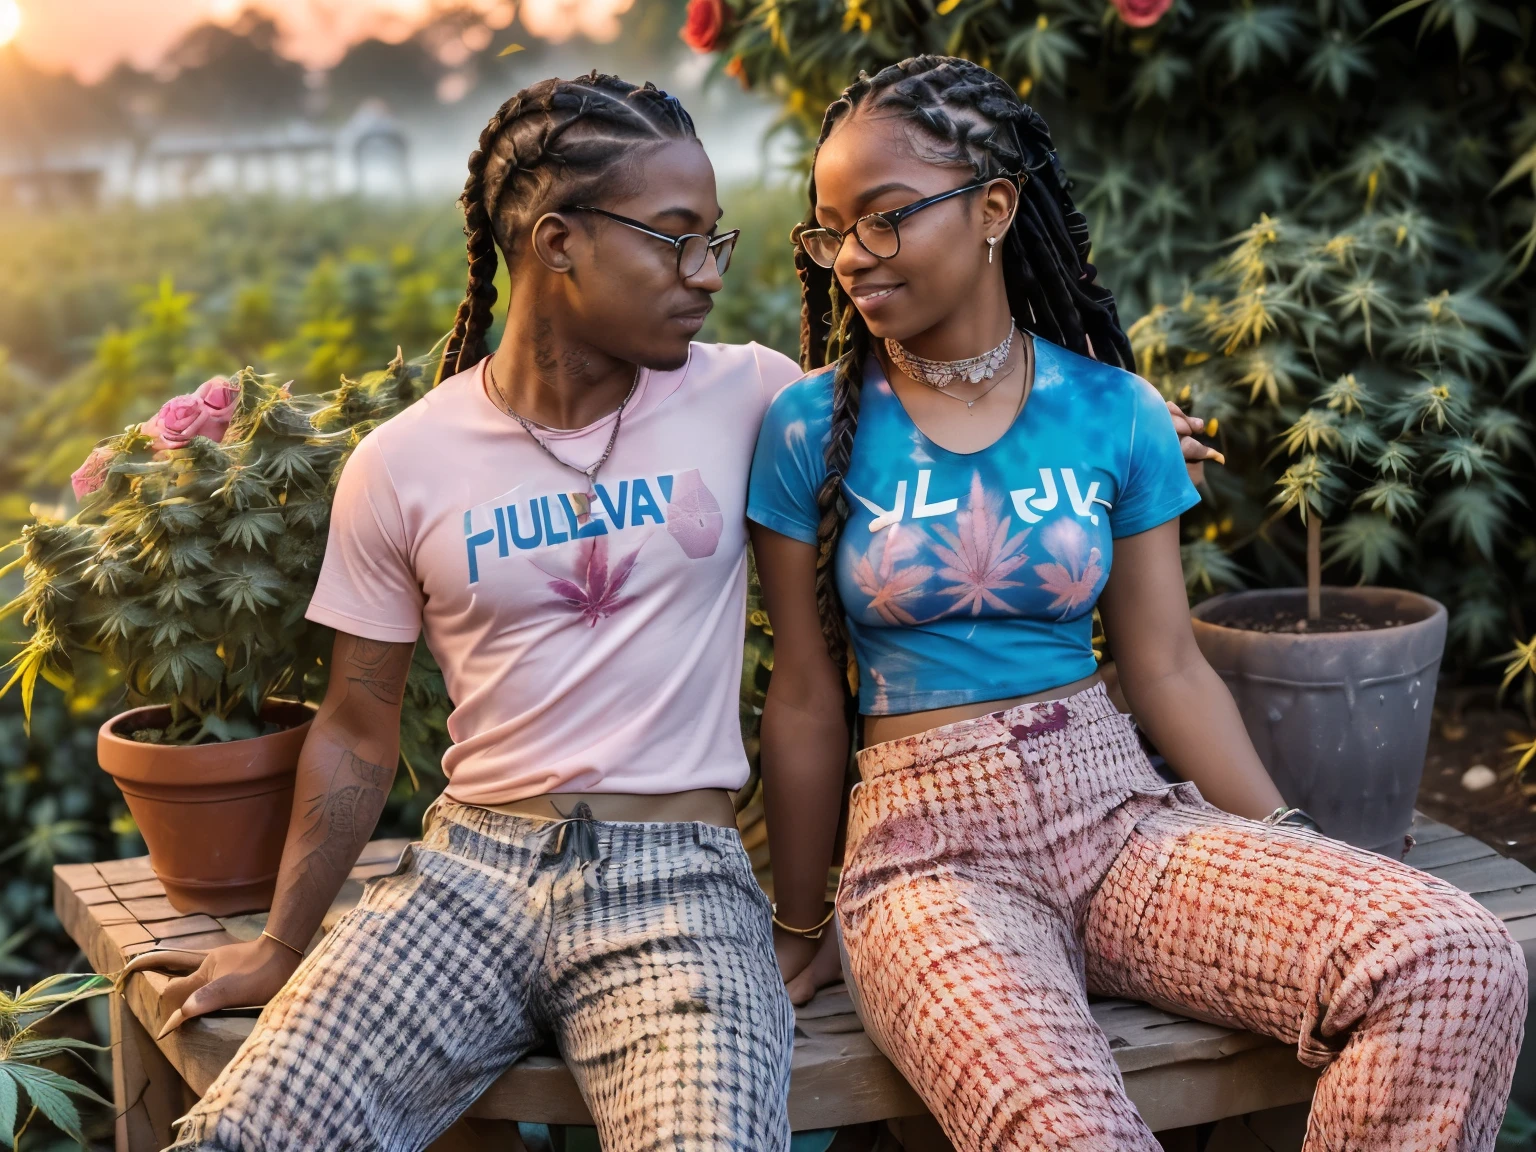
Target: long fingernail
[[170, 1025], [1218, 457]]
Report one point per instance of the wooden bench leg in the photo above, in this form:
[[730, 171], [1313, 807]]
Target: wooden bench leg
[[148, 1093]]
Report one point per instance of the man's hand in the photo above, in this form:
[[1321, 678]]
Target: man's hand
[[1195, 453], [235, 976]]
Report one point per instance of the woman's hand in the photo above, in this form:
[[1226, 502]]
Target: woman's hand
[[1195, 453], [807, 965], [234, 976]]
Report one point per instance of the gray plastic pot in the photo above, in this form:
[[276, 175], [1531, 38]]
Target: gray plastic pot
[[1340, 719]]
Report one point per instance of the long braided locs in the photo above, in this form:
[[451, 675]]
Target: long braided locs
[[974, 120], [554, 144]]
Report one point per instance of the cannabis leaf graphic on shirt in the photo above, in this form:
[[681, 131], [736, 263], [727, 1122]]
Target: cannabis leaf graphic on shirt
[[594, 591], [981, 555], [1073, 579], [881, 577]]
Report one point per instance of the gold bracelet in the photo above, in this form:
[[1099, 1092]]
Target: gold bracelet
[[296, 951], [815, 933]]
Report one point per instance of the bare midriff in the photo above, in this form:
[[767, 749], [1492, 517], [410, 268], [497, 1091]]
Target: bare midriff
[[881, 729], [700, 805]]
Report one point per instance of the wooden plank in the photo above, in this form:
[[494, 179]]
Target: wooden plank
[[128, 871], [79, 876], [182, 926], [1203, 1091], [1510, 904], [138, 889], [1522, 928], [95, 896], [1490, 875], [147, 1092], [199, 941], [124, 934], [104, 955], [152, 908], [105, 914], [378, 851], [1451, 850], [1427, 831]]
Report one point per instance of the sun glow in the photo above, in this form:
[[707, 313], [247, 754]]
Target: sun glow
[[10, 20]]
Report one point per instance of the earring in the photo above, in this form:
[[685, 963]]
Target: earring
[[991, 247]]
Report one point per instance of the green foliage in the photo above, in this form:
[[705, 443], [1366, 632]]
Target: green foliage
[[187, 573], [1358, 384], [25, 1050], [1369, 172]]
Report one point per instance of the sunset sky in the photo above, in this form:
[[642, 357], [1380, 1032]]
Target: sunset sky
[[89, 36]]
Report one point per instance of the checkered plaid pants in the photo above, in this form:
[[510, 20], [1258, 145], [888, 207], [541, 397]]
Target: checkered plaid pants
[[644, 950], [1001, 868]]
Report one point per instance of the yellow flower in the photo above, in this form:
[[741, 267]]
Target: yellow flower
[[856, 17], [123, 824], [1042, 23], [1210, 531], [1210, 426], [947, 6], [1026, 86]]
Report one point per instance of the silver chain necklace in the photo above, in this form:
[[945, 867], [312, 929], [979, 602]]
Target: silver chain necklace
[[581, 500], [940, 374]]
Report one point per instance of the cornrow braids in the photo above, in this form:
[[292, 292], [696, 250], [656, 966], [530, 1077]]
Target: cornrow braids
[[555, 143], [974, 120]]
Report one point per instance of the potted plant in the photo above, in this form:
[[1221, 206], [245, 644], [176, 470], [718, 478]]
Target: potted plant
[[185, 574], [1384, 392]]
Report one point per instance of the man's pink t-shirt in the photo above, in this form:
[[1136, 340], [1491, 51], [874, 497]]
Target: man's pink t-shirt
[[581, 655]]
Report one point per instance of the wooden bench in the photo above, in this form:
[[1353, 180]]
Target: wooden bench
[[1179, 1072]]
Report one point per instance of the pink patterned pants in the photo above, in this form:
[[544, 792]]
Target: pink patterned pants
[[1001, 868]]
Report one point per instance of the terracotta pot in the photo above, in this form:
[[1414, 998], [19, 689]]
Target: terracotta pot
[[214, 816], [1340, 719]]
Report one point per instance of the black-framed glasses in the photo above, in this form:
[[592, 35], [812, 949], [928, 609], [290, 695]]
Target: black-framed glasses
[[878, 233], [692, 249]]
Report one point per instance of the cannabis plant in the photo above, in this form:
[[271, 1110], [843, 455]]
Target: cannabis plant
[[24, 1080], [1379, 385], [1390, 151], [187, 571]]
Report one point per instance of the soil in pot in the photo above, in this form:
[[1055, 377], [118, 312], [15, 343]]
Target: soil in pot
[[1339, 715], [214, 816]]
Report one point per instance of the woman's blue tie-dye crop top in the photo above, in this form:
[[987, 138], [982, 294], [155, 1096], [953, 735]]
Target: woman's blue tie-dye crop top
[[972, 577]]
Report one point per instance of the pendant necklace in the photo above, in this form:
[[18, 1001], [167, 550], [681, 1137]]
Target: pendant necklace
[[581, 501]]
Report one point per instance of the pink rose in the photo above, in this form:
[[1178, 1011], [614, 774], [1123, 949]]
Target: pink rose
[[220, 394], [1142, 13], [90, 475], [206, 412]]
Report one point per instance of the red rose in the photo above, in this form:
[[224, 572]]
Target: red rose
[[705, 26], [1142, 13]]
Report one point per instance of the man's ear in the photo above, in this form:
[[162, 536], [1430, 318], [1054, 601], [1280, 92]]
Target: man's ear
[[552, 238]]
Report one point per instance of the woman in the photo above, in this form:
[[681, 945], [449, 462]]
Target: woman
[[563, 521], [955, 495]]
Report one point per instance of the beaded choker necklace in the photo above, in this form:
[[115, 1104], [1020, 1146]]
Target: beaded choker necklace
[[941, 374]]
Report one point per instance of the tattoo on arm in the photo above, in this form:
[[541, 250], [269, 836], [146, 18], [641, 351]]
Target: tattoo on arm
[[338, 822], [372, 665]]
